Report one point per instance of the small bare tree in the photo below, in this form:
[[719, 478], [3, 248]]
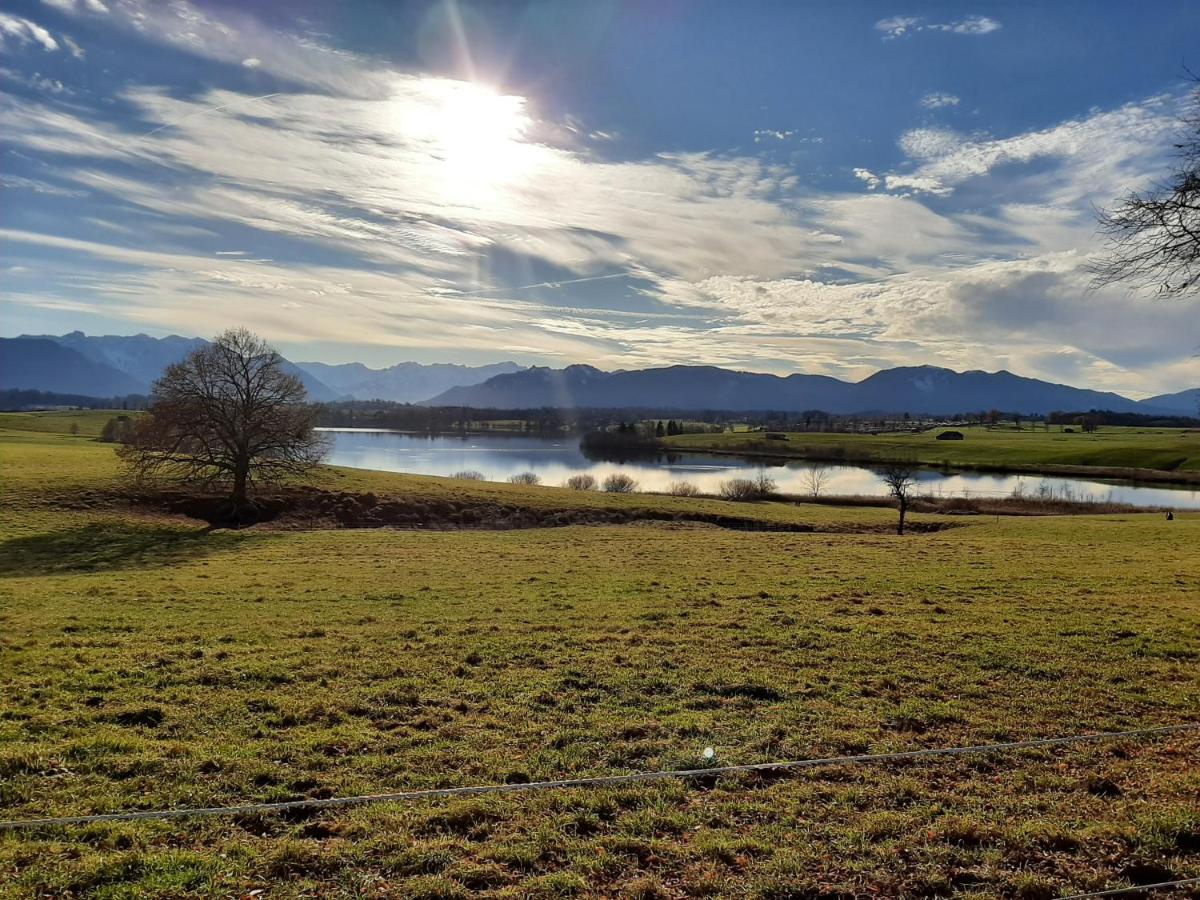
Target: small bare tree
[[229, 415], [581, 482], [1154, 236], [901, 478], [816, 477]]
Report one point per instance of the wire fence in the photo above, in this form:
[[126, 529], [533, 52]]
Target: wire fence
[[707, 773]]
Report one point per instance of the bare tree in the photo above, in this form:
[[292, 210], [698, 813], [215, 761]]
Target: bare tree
[[816, 477], [528, 478], [901, 478], [228, 415], [1153, 237]]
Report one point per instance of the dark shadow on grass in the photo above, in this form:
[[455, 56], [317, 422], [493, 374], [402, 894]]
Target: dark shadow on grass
[[108, 546]]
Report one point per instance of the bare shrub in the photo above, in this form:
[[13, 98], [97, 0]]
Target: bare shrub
[[759, 487], [739, 489], [620, 483], [683, 489], [583, 482], [469, 475], [525, 478]]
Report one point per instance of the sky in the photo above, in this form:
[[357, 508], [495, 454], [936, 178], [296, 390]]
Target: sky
[[771, 186]]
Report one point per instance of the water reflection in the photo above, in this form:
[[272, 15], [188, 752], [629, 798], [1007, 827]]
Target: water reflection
[[554, 459]]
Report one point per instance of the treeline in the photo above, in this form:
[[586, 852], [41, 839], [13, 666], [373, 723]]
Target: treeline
[[1096, 418], [21, 400], [533, 420], [443, 419]]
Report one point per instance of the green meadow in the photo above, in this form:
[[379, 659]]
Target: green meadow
[[1163, 452], [149, 662]]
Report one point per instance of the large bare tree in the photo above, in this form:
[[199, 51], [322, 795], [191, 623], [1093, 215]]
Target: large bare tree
[[1153, 237], [228, 415]]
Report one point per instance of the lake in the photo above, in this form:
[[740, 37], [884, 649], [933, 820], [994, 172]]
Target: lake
[[499, 456]]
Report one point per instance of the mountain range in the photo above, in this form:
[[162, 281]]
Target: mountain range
[[406, 382], [116, 365], [113, 366], [916, 389]]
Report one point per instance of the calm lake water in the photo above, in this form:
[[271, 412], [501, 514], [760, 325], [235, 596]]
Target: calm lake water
[[500, 456]]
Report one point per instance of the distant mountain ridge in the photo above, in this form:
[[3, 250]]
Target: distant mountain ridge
[[109, 365], [43, 364], [916, 389], [406, 382], [1184, 403], [116, 365]]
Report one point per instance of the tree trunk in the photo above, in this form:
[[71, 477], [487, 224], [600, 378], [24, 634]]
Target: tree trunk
[[900, 525], [240, 477]]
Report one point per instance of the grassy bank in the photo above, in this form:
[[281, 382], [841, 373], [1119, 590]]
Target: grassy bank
[[1144, 454], [146, 662]]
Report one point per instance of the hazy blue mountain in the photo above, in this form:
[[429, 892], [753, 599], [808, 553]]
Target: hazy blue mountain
[[916, 389], [406, 382], [46, 365], [318, 391], [139, 357], [1183, 403]]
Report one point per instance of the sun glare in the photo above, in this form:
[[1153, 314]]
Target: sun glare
[[476, 136]]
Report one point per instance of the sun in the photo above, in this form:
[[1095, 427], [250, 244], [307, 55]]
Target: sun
[[475, 138]]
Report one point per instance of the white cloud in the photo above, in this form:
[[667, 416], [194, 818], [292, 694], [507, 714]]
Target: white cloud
[[36, 82], [24, 31], [869, 178], [939, 100], [897, 26], [232, 37], [72, 6], [901, 26], [76, 50], [767, 134], [930, 143], [969, 25], [920, 184], [252, 62]]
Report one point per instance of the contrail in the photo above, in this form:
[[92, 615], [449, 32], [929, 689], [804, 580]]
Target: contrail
[[550, 284], [204, 112]]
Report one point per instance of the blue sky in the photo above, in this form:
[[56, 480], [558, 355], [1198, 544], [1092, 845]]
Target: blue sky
[[816, 187]]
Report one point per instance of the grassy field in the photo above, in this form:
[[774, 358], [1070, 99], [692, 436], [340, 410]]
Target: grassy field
[[1165, 450], [146, 662]]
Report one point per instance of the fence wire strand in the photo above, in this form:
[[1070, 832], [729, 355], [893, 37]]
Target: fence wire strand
[[596, 781]]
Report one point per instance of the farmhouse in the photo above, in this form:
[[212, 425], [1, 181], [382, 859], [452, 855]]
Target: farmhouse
[[950, 436]]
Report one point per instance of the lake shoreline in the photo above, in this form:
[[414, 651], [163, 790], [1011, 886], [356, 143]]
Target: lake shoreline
[[1127, 474]]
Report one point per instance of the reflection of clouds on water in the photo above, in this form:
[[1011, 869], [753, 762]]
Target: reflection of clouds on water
[[499, 457]]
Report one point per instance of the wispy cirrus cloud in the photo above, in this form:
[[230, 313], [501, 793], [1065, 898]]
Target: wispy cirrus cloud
[[939, 100], [902, 26], [21, 32]]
